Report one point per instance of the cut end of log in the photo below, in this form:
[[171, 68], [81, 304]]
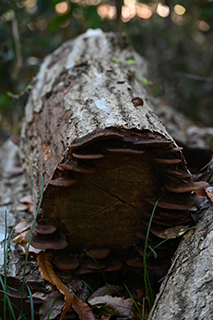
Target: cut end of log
[[109, 184]]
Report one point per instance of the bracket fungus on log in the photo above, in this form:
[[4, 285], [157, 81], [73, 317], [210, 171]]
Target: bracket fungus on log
[[104, 155]]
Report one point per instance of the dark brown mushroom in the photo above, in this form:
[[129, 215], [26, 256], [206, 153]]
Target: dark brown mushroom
[[82, 269], [35, 301], [66, 261], [126, 151], [62, 182], [137, 263], [174, 201], [178, 174], [44, 229], [88, 156], [175, 149], [56, 241], [17, 292], [72, 167], [93, 137], [186, 186], [114, 266], [94, 266], [99, 253], [167, 161], [152, 143]]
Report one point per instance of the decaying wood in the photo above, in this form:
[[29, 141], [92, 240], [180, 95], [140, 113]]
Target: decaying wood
[[186, 292], [105, 158]]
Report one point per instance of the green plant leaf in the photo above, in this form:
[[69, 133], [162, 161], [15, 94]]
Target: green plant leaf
[[146, 82], [130, 61], [115, 59]]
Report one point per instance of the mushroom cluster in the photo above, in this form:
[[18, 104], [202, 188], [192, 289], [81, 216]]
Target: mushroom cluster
[[99, 201]]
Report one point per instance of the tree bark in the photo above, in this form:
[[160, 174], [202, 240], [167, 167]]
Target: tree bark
[[85, 84], [186, 292]]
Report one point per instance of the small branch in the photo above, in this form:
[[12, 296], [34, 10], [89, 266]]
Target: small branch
[[193, 76], [19, 59]]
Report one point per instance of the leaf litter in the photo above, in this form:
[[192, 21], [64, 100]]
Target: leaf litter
[[71, 300]]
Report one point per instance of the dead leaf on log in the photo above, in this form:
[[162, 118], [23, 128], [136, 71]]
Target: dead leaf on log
[[118, 305], [47, 273], [173, 232]]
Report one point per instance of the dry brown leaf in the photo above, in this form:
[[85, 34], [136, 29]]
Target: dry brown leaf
[[47, 273], [209, 192], [20, 237], [26, 199], [173, 232], [55, 311], [111, 317], [118, 305], [21, 207], [22, 226]]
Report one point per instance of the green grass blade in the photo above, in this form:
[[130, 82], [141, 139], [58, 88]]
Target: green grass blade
[[31, 303], [135, 303], [31, 234], [5, 268], [99, 269], [147, 283], [48, 316], [88, 286], [7, 297], [153, 251]]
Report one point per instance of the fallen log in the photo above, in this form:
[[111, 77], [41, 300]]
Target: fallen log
[[105, 158], [90, 130]]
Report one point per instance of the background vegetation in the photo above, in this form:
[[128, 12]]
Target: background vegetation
[[175, 36]]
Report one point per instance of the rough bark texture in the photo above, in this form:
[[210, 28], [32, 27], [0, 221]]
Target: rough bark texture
[[81, 88], [104, 155], [187, 291]]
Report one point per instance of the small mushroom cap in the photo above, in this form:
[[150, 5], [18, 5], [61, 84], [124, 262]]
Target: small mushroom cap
[[88, 156], [45, 229], [62, 182], [186, 187], [82, 269], [17, 292], [54, 241], [94, 266], [114, 266], [99, 253], [137, 263], [66, 262]]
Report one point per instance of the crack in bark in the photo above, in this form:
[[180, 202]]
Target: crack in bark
[[113, 195], [103, 209]]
